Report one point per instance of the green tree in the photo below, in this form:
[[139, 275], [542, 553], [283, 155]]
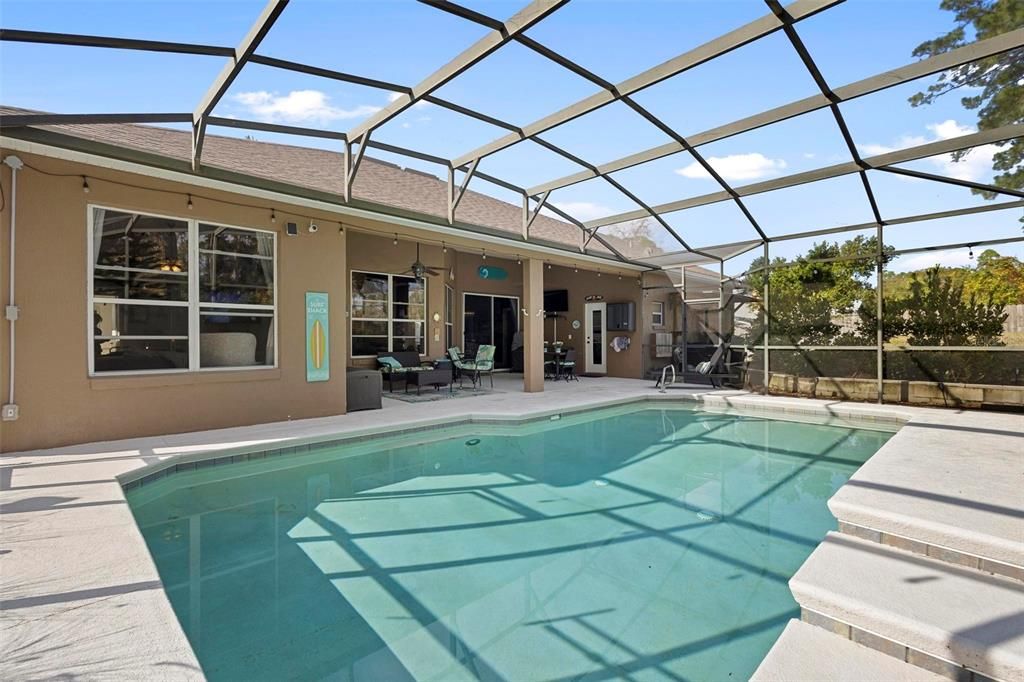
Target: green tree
[[808, 295], [999, 78], [999, 279], [936, 312]]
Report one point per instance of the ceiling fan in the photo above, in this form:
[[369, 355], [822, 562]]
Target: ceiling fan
[[418, 269]]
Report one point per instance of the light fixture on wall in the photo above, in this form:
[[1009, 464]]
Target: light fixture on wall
[[970, 252], [598, 274], [189, 204], [273, 216], [444, 248], [395, 240], [483, 255], [85, 184], [549, 266], [519, 261], [575, 269]]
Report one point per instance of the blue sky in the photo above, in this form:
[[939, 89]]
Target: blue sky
[[403, 41]]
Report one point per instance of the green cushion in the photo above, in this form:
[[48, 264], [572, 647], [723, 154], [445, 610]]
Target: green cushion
[[390, 363]]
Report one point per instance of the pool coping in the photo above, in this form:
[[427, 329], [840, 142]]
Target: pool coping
[[156, 643], [190, 462]]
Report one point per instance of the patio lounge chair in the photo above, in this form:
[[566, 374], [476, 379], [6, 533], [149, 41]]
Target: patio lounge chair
[[708, 367]]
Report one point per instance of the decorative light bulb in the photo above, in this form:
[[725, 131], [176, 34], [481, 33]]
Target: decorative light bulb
[[970, 252], [395, 240], [85, 184], [444, 248], [483, 255], [189, 202], [273, 216]]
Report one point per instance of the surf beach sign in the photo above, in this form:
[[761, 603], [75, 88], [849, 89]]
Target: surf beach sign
[[318, 347]]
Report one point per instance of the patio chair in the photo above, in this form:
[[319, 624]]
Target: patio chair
[[567, 367], [484, 362], [462, 366]]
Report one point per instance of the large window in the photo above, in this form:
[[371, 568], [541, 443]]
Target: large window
[[171, 294], [389, 313]]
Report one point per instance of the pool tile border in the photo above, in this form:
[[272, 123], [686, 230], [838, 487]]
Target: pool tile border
[[902, 652], [945, 554]]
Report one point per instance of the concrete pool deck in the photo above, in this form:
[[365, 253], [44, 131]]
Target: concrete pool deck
[[81, 595]]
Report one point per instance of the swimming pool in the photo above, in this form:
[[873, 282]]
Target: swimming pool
[[644, 541]]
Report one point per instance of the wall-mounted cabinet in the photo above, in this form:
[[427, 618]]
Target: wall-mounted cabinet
[[622, 316]]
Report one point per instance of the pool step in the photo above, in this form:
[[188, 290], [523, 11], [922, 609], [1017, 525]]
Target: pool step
[[959, 622], [964, 507], [806, 652]]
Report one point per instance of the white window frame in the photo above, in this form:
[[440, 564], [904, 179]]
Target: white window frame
[[449, 317], [193, 304], [390, 319], [658, 313]]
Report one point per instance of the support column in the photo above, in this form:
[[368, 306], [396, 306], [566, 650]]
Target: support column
[[767, 317], [879, 310], [533, 325]]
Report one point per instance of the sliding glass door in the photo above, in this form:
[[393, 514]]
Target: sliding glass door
[[491, 320]]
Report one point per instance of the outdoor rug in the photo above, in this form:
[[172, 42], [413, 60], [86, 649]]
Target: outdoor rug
[[429, 395]]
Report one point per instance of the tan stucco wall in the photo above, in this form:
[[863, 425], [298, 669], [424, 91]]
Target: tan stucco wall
[[61, 404], [628, 363]]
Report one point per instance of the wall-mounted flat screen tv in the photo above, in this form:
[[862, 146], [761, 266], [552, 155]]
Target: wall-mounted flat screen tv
[[556, 301]]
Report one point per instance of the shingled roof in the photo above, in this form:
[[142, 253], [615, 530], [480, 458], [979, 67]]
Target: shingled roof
[[378, 182]]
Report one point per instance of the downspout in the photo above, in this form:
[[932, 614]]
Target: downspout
[[9, 412]]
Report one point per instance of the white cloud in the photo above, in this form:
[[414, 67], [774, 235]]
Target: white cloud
[[298, 106], [975, 165], [584, 210], [920, 261], [395, 96], [735, 167], [809, 155]]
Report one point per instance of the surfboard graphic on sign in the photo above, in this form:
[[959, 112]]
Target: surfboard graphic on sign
[[318, 360]]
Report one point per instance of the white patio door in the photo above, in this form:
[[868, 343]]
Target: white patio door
[[595, 355]]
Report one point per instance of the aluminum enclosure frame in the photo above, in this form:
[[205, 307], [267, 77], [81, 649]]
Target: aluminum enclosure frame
[[357, 140]]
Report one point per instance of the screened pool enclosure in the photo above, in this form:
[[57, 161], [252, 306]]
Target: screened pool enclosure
[[817, 277]]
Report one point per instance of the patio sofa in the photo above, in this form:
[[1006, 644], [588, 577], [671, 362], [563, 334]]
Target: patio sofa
[[407, 361]]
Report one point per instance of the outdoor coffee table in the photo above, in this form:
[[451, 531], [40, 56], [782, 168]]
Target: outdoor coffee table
[[430, 377]]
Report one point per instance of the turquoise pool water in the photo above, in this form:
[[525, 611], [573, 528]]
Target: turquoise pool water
[[639, 542]]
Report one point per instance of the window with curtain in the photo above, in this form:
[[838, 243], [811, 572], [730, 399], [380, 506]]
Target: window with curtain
[[170, 294], [389, 313]]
